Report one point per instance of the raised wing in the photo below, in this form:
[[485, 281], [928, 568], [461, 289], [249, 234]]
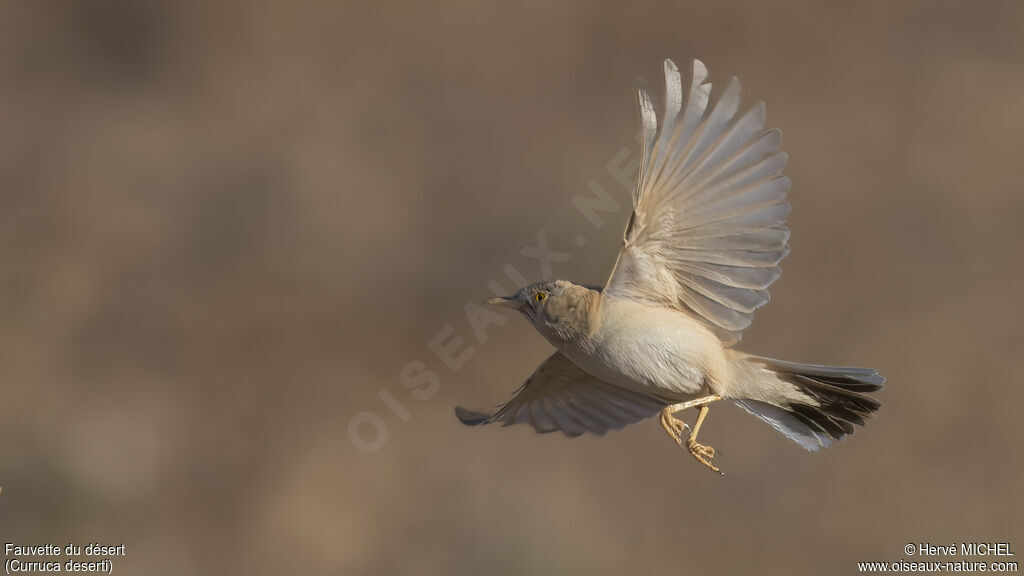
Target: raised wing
[[561, 396], [708, 228]]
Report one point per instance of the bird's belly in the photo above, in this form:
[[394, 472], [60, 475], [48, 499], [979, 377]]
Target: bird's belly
[[652, 350]]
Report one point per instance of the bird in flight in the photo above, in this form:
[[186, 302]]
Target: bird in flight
[[701, 247]]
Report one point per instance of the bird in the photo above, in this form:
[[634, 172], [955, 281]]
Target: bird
[[701, 247]]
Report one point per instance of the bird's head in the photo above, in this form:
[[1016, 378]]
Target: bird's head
[[557, 308]]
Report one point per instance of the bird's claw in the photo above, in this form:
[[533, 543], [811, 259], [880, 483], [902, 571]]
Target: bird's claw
[[674, 426], [703, 454]]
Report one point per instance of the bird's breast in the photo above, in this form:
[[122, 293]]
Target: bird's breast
[[650, 349]]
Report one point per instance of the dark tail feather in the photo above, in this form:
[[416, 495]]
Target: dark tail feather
[[840, 396]]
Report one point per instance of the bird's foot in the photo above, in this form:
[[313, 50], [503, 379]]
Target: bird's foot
[[704, 454], [673, 426]]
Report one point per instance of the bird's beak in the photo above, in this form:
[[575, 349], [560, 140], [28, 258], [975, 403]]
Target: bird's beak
[[511, 302]]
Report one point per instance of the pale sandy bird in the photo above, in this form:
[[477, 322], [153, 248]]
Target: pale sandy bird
[[701, 247]]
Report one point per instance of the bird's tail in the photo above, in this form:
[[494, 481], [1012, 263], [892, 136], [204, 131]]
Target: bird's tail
[[813, 405]]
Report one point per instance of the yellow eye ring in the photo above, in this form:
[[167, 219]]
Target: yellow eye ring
[[540, 296]]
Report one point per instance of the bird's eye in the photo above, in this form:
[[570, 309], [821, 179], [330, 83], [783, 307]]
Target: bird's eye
[[540, 296]]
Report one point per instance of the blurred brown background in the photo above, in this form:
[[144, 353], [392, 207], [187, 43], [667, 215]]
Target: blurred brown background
[[224, 230]]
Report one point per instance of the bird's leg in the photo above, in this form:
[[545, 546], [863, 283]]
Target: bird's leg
[[674, 427], [703, 454]]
